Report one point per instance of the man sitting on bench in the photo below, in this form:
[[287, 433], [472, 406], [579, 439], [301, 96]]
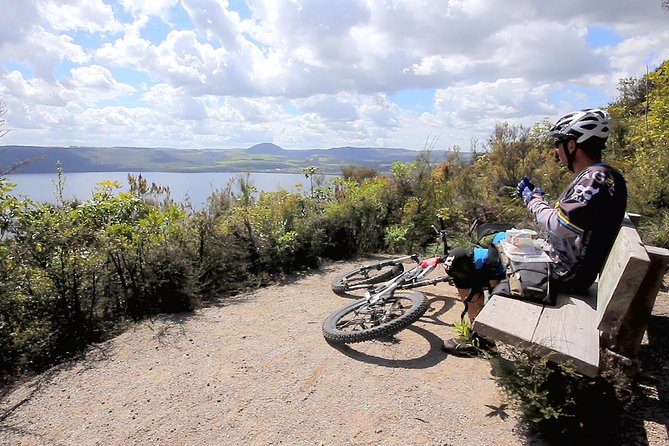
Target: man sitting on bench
[[581, 227]]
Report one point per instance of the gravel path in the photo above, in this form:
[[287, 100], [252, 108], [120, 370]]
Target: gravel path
[[255, 370]]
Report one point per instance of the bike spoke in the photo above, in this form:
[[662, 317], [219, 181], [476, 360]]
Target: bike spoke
[[351, 324], [367, 317], [358, 321]]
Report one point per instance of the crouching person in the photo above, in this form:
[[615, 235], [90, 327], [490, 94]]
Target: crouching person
[[473, 270]]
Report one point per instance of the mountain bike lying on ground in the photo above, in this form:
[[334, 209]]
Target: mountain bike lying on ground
[[389, 307]]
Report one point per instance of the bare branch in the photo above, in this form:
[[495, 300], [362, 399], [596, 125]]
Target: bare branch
[[17, 165], [3, 121]]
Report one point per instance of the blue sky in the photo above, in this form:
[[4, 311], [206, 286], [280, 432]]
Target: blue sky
[[311, 73]]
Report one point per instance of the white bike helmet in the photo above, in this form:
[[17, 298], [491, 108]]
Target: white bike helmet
[[582, 125]]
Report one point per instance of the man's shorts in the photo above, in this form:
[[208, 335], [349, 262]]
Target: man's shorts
[[474, 268]]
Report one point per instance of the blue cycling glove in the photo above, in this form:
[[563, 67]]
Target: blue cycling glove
[[528, 194], [523, 184]]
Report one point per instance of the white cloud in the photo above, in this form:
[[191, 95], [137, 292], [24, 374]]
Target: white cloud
[[87, 85], [208, 75], [131, 50], [31, 91], [88, 15], [213, 17], [175, 103], [94, 83], [481, 105], [118, 123], [43, 51], [158, 8], [256, 110], [380, 112], [440, 65], [17, 18], [183, 61], [340, 108], [633, 54], [532, 50], [319, 27]]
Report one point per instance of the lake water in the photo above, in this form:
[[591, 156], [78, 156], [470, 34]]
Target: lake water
[[195, 186]]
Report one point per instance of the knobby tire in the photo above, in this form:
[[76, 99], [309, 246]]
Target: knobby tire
[[342, 283], [363, 324]]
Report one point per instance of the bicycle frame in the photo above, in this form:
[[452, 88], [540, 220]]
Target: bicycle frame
[[414, 278], [387, 307]]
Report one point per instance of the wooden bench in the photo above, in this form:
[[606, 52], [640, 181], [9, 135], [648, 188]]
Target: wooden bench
[[611, 319]]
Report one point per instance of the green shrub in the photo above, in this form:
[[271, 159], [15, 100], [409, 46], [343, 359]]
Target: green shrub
[[359, 214], [396, 238], [556, 401], [72, 271], [655, 230], [539, 389]]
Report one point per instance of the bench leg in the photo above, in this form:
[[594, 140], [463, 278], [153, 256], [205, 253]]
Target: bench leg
[[636, 321]]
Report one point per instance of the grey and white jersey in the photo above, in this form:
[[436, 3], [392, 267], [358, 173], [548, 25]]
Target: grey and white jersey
[[583, 224]]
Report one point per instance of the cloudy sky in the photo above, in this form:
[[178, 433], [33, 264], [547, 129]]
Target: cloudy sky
[[311, 73]]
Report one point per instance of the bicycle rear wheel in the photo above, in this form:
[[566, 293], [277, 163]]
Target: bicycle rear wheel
[[361, 321], [365, 277]]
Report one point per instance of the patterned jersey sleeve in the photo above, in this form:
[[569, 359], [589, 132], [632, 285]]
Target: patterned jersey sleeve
[[576, 209], [547, 217]]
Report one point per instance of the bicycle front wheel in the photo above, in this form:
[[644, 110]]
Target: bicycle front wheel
[[365, 277], [361, 321]]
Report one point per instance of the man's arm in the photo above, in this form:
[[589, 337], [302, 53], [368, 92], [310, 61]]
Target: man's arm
[[558, 220], [552, 219]]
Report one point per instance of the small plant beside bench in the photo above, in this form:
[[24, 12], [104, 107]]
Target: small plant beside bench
[[610, 321]]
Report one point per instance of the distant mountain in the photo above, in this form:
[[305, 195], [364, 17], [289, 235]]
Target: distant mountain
[[265, 157], [266, 148]]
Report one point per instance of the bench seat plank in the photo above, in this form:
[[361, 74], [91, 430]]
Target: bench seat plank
[[568, 332], [508, 320]]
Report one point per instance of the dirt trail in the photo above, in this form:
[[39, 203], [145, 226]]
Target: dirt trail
[[256, 371]]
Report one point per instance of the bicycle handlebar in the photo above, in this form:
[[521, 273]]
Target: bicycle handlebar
[[441, 234], [442, 224]]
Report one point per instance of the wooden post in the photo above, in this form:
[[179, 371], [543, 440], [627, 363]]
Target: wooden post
[[636, 218], [636, 320]]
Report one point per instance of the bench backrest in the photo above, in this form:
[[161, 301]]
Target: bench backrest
[[619, 281]]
